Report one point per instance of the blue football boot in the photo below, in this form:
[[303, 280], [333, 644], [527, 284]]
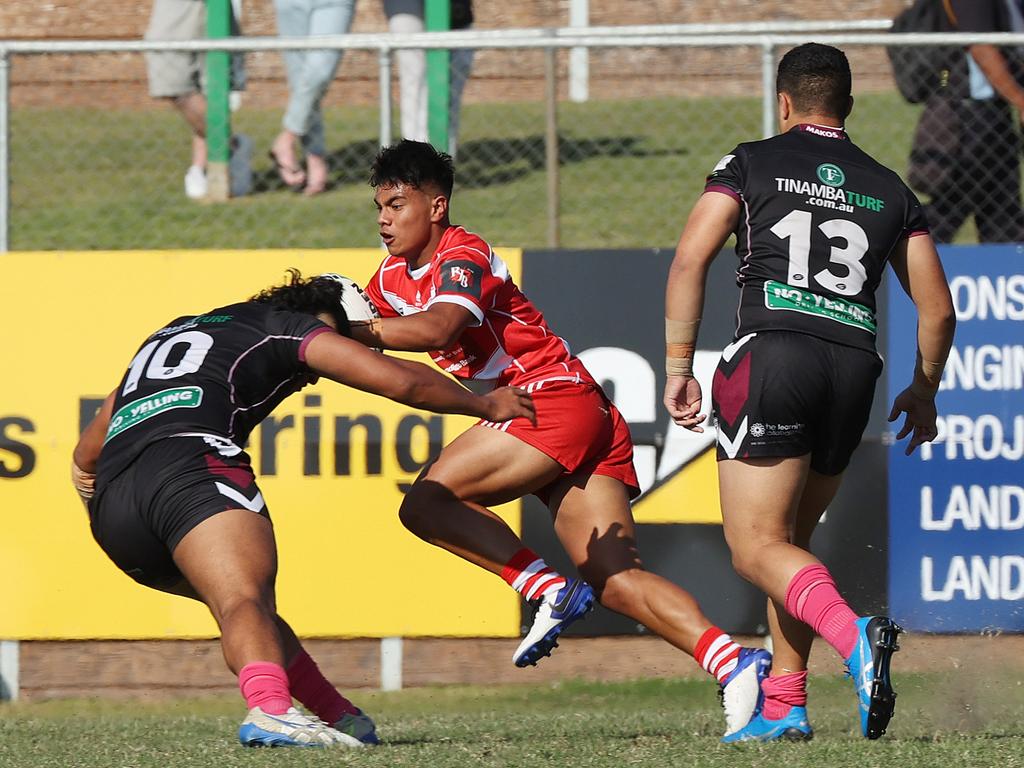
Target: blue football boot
[[793, 727], [868, 665], [741, 694], [358, 725], [550, 617]]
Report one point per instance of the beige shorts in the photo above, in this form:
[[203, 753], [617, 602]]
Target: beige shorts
[[179, 73]]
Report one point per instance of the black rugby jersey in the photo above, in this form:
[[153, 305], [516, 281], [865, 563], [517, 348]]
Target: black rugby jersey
[[818, 223], [220, 373]]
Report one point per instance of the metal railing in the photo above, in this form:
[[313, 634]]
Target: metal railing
[[767, 37]]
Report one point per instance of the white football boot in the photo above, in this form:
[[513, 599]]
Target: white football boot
[[291, 729]]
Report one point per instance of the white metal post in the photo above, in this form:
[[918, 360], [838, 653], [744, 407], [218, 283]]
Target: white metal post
[[579, 58], [768, 127], [552, 151], [384, 62], [391, 663], [9, 668], [5, 180]]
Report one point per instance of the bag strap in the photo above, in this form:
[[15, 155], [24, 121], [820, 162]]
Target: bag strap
[[948, 7]]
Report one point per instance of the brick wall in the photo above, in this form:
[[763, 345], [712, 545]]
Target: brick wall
[[189, 668], [119, 80]]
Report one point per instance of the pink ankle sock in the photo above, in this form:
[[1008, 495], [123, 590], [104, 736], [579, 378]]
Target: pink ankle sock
[[782, 693], [265, 685], [813, 598], [315, 692]]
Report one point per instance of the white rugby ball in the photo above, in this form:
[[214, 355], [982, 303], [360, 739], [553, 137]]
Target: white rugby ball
[[358, 308]]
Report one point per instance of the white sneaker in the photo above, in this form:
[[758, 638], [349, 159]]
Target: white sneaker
[[741, 692], [195, 182], [292, 729], [551, 615]]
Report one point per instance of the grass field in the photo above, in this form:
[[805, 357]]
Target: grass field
[[630, 171], [939, 722]]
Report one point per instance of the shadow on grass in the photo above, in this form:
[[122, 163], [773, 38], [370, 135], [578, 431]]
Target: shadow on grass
[[481, 163]]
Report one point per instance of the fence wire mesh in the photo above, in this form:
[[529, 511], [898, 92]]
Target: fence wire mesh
[[98, 164]]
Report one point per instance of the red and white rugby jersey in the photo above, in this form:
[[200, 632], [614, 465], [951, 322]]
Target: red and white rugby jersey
[[510, 342]]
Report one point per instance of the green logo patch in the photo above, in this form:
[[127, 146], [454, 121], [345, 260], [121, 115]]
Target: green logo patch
[[785, 297], [831, 174], [137, 411]]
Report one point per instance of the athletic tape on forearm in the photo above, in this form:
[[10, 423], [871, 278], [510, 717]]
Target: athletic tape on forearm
[[84, 482], [927, 378], [680, 342]]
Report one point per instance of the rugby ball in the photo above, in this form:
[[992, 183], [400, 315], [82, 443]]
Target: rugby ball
[[358, 308]]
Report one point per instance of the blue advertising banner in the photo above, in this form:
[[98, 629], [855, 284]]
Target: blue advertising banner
[[956, 507]]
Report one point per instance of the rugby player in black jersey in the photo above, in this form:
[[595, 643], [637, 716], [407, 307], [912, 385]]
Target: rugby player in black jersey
[[173, 500], [816, 220]]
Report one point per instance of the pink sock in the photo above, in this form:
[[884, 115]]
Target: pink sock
[[265, 685], [782, 693], [813, 598], [310, 687]]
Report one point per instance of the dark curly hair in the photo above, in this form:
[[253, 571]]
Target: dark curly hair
[[817, 79], [414, 163], [310, 296]]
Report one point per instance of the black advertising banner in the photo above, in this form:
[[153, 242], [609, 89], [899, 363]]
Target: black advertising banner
[[609, 306]]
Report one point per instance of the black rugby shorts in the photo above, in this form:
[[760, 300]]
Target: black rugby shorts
[[140, 516], [781, 393]]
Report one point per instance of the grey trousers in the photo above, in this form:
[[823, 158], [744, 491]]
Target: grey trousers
[[406, 17], [310, 72]]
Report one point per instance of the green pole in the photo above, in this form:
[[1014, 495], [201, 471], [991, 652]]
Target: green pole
[[218, 113], [438, 17]]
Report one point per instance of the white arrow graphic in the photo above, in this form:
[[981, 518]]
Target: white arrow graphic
[[255, 503], [732, 447]]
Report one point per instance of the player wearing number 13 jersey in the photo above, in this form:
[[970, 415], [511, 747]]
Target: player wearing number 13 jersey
[[816, 221], [819, 219]]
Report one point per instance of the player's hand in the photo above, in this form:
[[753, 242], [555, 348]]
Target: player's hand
[[366, 333], [683, 400], [920, 419], [509, 403]]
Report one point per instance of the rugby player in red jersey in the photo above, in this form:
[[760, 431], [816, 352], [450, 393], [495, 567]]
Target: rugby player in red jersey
[[173, 500], [816, 220], [443, 290]]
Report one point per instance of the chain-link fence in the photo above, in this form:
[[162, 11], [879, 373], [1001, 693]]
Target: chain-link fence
[[95, 163]]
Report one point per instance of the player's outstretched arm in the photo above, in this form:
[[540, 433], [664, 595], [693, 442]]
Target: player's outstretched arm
[[435, 328], [349, 362], [919, 270], [711, 222], [87, 451]]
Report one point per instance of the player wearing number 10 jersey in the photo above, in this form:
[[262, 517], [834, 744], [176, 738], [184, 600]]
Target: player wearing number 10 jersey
[[173, 500], [816, 220]]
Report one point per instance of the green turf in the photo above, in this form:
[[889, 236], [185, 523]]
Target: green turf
[[630, 171], [941, 721]]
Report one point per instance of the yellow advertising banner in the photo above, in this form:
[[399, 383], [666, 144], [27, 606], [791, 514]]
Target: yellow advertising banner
[[331, 463]]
